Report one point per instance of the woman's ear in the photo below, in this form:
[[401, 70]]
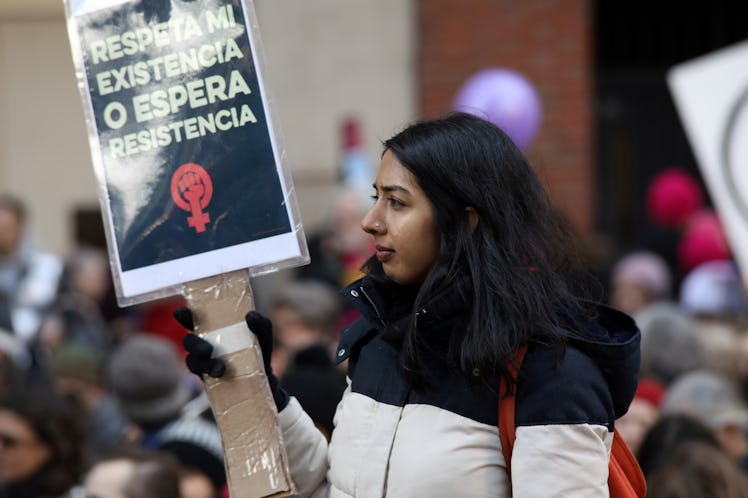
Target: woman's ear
[[473, 218]]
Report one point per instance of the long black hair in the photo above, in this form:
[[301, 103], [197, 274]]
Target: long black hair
[[513, 270]]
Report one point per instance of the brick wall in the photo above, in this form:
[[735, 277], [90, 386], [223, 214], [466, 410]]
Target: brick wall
[[548, 41]]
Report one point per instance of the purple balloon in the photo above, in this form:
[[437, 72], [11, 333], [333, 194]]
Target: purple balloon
[[505, 98]]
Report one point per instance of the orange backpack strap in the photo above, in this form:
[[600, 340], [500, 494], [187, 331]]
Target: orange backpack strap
[[625, 477], [506, 409]]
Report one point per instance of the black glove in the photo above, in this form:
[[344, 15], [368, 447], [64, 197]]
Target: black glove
[[200, 362], [199, 351]]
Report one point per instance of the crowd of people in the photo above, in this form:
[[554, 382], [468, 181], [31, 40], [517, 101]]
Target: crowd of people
[[96, 400], [688, 422]]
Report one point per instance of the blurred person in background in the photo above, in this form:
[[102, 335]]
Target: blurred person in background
[[670, 345], [317, 384], [148, 382], [713, 294], [51, 336], [639, 278], [715, 290], [15, 361], [152, 390], [75, 316], [28, 276], [356, 170], [305, 314], [697, 470], [41, 444], [741, 360], [83, 287], [196, 445], [717, 401], [340, 248], [156, 317], [669, 433], [134, 473], [76, 373], [352, 245]]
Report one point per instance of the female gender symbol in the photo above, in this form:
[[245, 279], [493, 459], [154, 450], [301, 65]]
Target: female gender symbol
[[192, 189]]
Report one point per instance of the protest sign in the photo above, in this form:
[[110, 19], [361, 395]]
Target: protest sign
[[711, 95], [194, 190], [183, 142]]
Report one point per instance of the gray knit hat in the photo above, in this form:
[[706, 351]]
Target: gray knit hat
[[670, 344], [197, 444], [711, 397], [145, 376]]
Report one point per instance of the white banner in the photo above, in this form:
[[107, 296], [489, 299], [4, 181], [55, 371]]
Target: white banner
[[711, 95]]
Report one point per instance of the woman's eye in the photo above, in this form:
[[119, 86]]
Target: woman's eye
[[395, 202], [374, 198]]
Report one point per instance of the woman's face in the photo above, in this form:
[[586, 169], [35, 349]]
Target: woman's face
[[22, 454], [402, 223]]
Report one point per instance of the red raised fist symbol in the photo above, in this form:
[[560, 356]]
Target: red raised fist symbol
[[192, 189]]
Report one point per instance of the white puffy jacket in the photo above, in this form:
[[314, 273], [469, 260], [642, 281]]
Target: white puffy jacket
[[392, 441]]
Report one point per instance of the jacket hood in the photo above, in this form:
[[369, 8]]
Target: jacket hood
[[612, 340]]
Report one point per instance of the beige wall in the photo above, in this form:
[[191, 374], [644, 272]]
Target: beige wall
[[325, 59], [43, 148]]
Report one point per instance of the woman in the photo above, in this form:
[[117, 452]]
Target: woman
[[471, 263], [41, 444]]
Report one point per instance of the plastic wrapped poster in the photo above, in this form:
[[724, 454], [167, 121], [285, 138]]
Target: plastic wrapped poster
[[189, 161]]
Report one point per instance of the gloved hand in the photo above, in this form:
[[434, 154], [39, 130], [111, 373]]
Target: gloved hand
[[200, 362]]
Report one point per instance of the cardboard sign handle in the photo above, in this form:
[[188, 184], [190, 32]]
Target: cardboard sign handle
[[255, 458]]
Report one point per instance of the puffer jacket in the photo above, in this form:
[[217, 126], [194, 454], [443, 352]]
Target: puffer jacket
[[390, 440]]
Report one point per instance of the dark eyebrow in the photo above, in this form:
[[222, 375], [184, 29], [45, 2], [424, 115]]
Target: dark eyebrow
[[392, 188]]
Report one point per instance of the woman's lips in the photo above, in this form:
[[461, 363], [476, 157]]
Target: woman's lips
[[384, 254]]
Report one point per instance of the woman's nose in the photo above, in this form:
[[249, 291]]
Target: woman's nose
[[370, 222]]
